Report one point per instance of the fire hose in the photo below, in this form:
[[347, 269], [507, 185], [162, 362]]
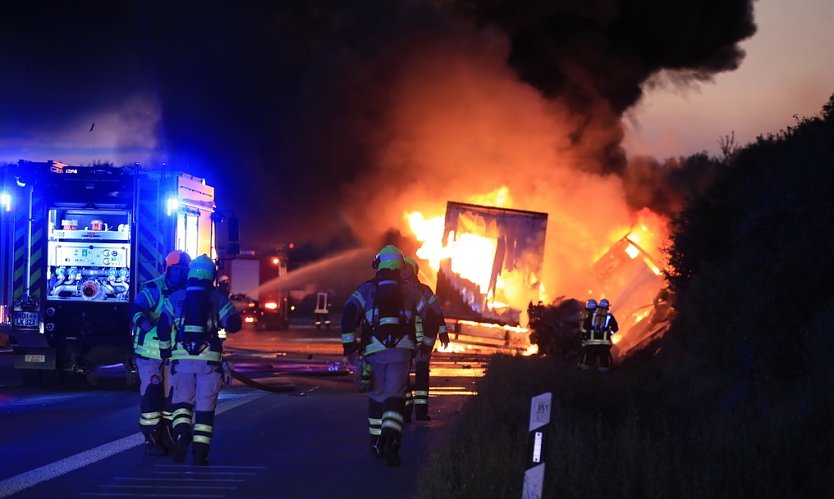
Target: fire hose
[[275, 388]]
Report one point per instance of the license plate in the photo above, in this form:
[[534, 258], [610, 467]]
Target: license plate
[[35, 358], [26, 319]]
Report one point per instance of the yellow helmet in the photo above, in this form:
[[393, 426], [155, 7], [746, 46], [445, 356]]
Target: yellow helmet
[[389, 257], [202, 267]]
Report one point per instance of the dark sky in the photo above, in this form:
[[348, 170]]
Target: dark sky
[[284, 105]]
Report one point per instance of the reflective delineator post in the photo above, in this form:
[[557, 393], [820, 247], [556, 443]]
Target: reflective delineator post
[[539, 421]]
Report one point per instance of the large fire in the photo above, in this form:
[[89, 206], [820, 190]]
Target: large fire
[[471, 254], [624, 266]]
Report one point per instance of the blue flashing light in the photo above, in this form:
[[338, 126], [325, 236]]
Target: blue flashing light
[[6, 201], [173, 205]]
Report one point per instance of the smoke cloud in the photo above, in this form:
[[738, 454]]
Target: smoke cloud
[[327, 119]]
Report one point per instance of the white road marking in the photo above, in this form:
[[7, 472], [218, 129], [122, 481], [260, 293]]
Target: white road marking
[[36, 476], [133, 494], [166, 486], [169, 479]]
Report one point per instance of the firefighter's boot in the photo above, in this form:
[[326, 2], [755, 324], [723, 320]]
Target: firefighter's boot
[[152, 445], [392, 429], [377, 447], [165, 438], [421, 412], [166, 434], [200, 454], [181, 443], [375, 428], [421, 390], [392, 450]]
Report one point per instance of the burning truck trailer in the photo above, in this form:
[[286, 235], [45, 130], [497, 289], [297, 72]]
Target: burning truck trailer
[[632, 280], [484, 289]]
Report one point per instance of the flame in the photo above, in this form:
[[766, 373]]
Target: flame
[[472, 257], [472, 253]]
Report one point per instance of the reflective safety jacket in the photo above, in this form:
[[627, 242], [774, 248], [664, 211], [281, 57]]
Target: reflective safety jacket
[[148, 305], [599, 328], [223, 316], [362, 310], [429, 299]]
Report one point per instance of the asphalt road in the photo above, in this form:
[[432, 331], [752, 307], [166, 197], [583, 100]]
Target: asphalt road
[[81, 441]]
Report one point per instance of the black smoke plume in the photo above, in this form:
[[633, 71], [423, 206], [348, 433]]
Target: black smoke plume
[[287, 105]]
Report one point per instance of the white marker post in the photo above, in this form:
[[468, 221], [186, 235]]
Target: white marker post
[[539, 422]]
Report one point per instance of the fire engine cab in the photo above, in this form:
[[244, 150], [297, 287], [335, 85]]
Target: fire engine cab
[[76, 242]]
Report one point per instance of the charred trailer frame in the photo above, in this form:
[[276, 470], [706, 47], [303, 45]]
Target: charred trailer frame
[[516, 239]]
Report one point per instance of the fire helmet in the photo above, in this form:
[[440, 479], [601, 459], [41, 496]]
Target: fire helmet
[[604, 303], [591, 304], [389, 257], [177, 258], [202, 267]]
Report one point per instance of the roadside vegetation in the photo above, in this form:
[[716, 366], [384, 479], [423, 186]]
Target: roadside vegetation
[[736, 400]]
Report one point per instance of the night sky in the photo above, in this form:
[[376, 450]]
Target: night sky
[[287, 106]]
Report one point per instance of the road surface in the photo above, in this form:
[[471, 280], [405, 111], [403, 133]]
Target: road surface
[[81, 441]]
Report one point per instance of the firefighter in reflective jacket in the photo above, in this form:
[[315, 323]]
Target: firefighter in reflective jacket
[[201, 316], [154, 375], [598, 327], [385, 308], [422, 357]]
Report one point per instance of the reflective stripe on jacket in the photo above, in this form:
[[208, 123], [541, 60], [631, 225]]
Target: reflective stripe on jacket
[[227, 318], [603, 325], [359, 310], [149, 304]]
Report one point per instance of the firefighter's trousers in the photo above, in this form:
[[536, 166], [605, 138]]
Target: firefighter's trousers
[[154, 395], [421, 382], [196, 386], [599, 355], [390, 374]]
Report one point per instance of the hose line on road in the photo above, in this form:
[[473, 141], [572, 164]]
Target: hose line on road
[[272, 387]]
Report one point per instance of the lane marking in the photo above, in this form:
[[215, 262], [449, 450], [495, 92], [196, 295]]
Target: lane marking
[[169, 479], [204, 473], [129, 494], [213, 466], [182, 487], [39, 475]]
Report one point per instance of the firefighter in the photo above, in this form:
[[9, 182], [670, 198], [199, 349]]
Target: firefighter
[[197, 324], [422, 357], [598, 328], [385, 308], [154, 375], [584, 331]]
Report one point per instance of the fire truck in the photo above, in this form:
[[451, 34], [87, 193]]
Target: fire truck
[[76, 242]]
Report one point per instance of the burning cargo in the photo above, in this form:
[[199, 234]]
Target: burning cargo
[[494, 264]]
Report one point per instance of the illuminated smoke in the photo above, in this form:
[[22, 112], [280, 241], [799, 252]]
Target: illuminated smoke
[[314, 116], [536, 106]]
